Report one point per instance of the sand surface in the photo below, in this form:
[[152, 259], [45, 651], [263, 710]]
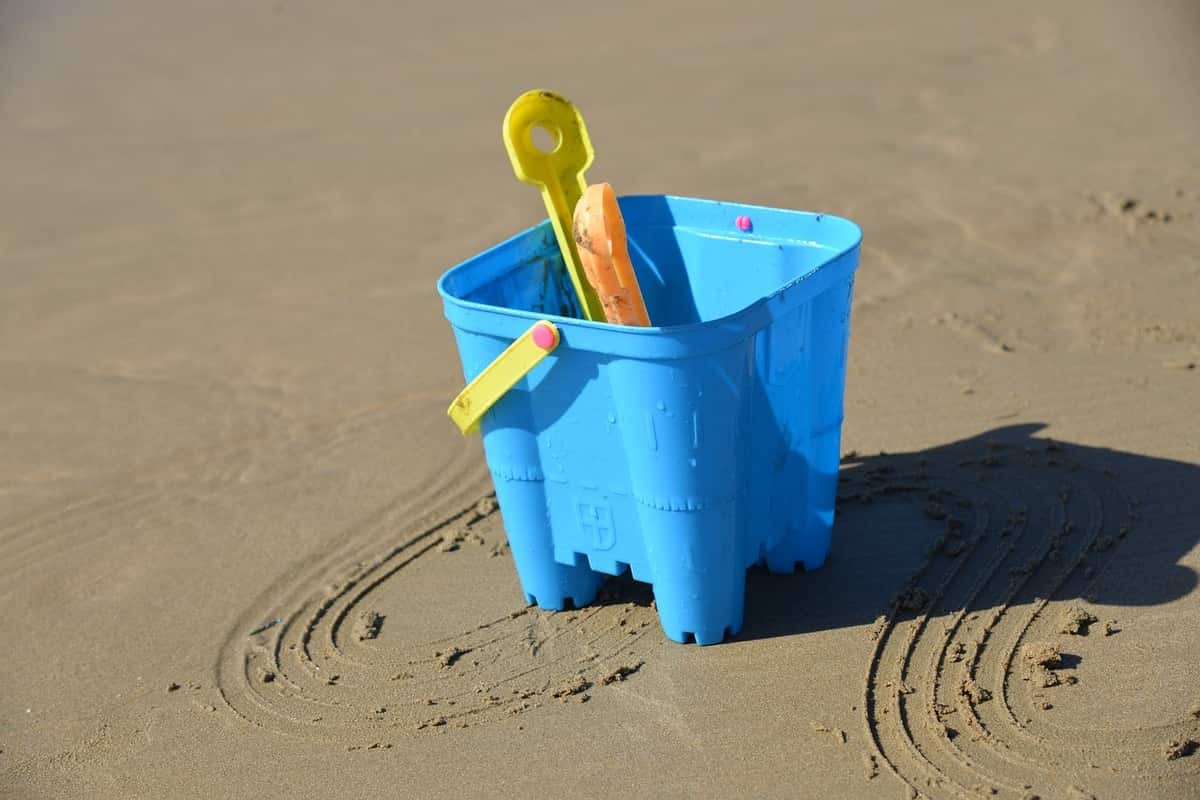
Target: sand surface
[[243, 553]]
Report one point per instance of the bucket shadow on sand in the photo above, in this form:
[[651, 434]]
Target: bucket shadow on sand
[[1000, 519]]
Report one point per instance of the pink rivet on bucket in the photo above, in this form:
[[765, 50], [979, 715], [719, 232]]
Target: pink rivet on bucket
[[743, 223], [543, 336]]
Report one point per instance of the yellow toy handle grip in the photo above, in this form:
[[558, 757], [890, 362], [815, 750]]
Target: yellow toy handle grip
[[557, 173], [501, 375]]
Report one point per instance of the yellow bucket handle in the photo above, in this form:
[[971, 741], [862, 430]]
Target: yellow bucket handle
[[502, 374]]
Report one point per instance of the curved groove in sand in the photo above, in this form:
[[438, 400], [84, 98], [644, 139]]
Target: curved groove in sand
[[312, 674], [942, 709]]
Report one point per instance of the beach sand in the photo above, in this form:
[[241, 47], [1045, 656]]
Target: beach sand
[[243, 553]]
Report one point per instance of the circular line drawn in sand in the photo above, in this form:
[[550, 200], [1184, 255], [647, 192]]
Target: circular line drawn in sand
[[354, 649], [377, 639], [964, 664]]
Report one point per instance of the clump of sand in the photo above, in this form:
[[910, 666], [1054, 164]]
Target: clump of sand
[[622, 672], [1180, 748], [1076, 620], [973, 692], [911, 598], [1040, 660], [368, 625], [1041, 654], [447, 658], [573, 687]]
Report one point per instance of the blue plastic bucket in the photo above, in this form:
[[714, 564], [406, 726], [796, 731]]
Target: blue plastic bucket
[[685, 452]]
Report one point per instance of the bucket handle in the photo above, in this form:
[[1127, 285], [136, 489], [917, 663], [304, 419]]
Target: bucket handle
[[501, 375]]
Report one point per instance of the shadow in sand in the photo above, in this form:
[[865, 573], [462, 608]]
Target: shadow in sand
[[1067, 661], [1056, 520]]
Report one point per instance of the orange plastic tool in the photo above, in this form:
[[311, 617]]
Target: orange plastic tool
[[600, 239]]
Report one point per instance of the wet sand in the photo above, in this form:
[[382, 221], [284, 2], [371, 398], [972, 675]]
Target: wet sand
[[244, 553]]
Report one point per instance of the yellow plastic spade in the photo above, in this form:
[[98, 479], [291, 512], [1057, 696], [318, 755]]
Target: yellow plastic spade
[[557, 173], [501, 375]]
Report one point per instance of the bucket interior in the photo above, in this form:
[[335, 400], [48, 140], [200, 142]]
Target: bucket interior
[[693, 263]]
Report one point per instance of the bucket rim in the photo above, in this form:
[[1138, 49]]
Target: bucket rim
[[509, 322]]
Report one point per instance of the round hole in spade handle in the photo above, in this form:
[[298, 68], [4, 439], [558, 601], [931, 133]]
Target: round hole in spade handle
[[546, 138]]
